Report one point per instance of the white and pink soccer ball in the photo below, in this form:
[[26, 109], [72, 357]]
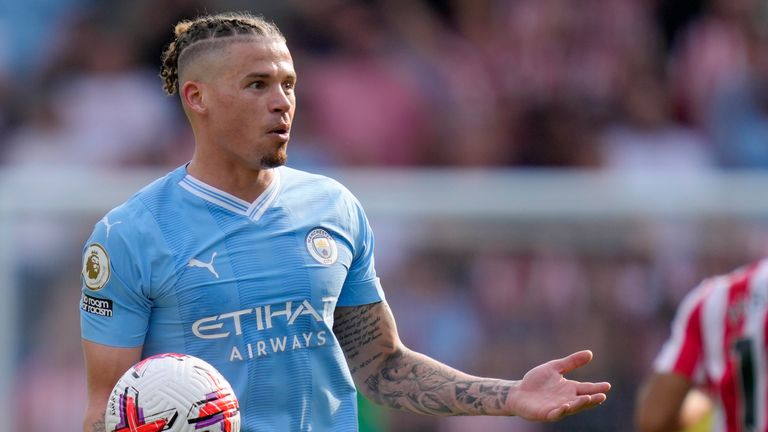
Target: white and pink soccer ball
[[172, 393]]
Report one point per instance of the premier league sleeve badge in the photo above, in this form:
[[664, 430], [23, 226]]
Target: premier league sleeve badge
[[95, 267]]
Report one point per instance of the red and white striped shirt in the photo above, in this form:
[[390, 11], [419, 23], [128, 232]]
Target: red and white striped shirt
[[719, 341]]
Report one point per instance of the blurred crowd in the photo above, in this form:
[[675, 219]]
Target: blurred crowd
[[559, 83], [617, 85]]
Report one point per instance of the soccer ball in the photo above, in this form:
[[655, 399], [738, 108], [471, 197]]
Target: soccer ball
[[174, 393]]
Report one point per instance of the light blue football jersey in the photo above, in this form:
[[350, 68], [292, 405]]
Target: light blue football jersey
[[248, 287]]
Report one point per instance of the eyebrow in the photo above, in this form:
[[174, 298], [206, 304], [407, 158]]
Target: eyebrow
[[266, 75]]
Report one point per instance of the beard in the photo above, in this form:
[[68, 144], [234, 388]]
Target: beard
[[276, 159]]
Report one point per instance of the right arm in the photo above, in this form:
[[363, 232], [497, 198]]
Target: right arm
[[660, 402], [114, 306], [104, 365]]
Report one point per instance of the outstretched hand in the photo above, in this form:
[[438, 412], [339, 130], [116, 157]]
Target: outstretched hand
[[545, 395]]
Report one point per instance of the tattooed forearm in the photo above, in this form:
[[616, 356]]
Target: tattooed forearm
[[485, 397], [391, 375], [418, 383], [98, 426]]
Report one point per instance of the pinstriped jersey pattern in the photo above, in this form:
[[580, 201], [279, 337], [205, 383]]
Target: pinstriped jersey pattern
[[719, 341]]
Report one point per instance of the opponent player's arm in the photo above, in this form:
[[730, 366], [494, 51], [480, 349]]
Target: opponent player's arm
[[390, 374], [104, 365], [660, 406]]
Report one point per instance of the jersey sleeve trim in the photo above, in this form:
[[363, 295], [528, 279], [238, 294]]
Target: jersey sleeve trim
[[96, 331], [362, 292]]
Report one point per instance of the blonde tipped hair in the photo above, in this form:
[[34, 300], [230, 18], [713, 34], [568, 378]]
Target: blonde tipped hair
[[218, 27]]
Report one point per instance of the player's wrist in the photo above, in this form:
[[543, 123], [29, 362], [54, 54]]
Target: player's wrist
[[512, 403], [492, 397]]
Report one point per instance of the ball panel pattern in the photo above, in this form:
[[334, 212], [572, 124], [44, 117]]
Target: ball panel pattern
[[174, 393]]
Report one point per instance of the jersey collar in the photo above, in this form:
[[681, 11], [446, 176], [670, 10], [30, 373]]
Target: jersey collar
[[253, 210]]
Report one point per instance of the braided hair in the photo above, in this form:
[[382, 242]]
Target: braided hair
[[209, 28]]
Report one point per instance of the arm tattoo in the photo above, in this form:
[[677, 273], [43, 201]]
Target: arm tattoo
[[406, 380], [356, 329], [420, 384], [98, 426]]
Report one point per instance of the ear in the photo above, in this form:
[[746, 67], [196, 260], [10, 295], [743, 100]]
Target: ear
[[191, 93]]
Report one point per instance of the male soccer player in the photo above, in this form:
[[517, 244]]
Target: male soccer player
[[267, 272], [717, 347]]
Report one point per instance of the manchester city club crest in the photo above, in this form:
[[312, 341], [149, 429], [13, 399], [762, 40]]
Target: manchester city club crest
[[322, 246], [95, 267]]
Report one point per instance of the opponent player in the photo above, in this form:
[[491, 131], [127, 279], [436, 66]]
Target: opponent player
[[267, 272], [718, 345]]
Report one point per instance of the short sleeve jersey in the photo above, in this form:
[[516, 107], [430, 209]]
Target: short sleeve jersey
[[719, 341], [249, 287]]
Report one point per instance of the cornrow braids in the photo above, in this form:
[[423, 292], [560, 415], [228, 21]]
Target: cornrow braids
[[209, 28]]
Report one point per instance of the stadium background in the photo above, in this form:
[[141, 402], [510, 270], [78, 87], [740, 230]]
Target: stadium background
[[542, 175]]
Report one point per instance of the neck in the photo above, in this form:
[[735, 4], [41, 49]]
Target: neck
[[244, 183]]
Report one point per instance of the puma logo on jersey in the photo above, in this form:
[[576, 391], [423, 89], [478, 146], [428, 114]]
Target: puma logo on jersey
[[105, 221], [194, 262]]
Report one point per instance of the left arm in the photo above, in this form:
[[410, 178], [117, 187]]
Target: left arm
[[390, 374]]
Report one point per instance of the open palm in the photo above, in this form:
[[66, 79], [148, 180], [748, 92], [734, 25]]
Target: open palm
[[544, 394]]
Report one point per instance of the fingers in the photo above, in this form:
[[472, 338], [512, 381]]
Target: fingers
[[573, 361], [588, 388], [579, 404]]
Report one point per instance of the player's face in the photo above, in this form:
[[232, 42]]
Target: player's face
[[252, 102]]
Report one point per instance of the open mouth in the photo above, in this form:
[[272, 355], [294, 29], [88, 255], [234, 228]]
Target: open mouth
[[281, 131]]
